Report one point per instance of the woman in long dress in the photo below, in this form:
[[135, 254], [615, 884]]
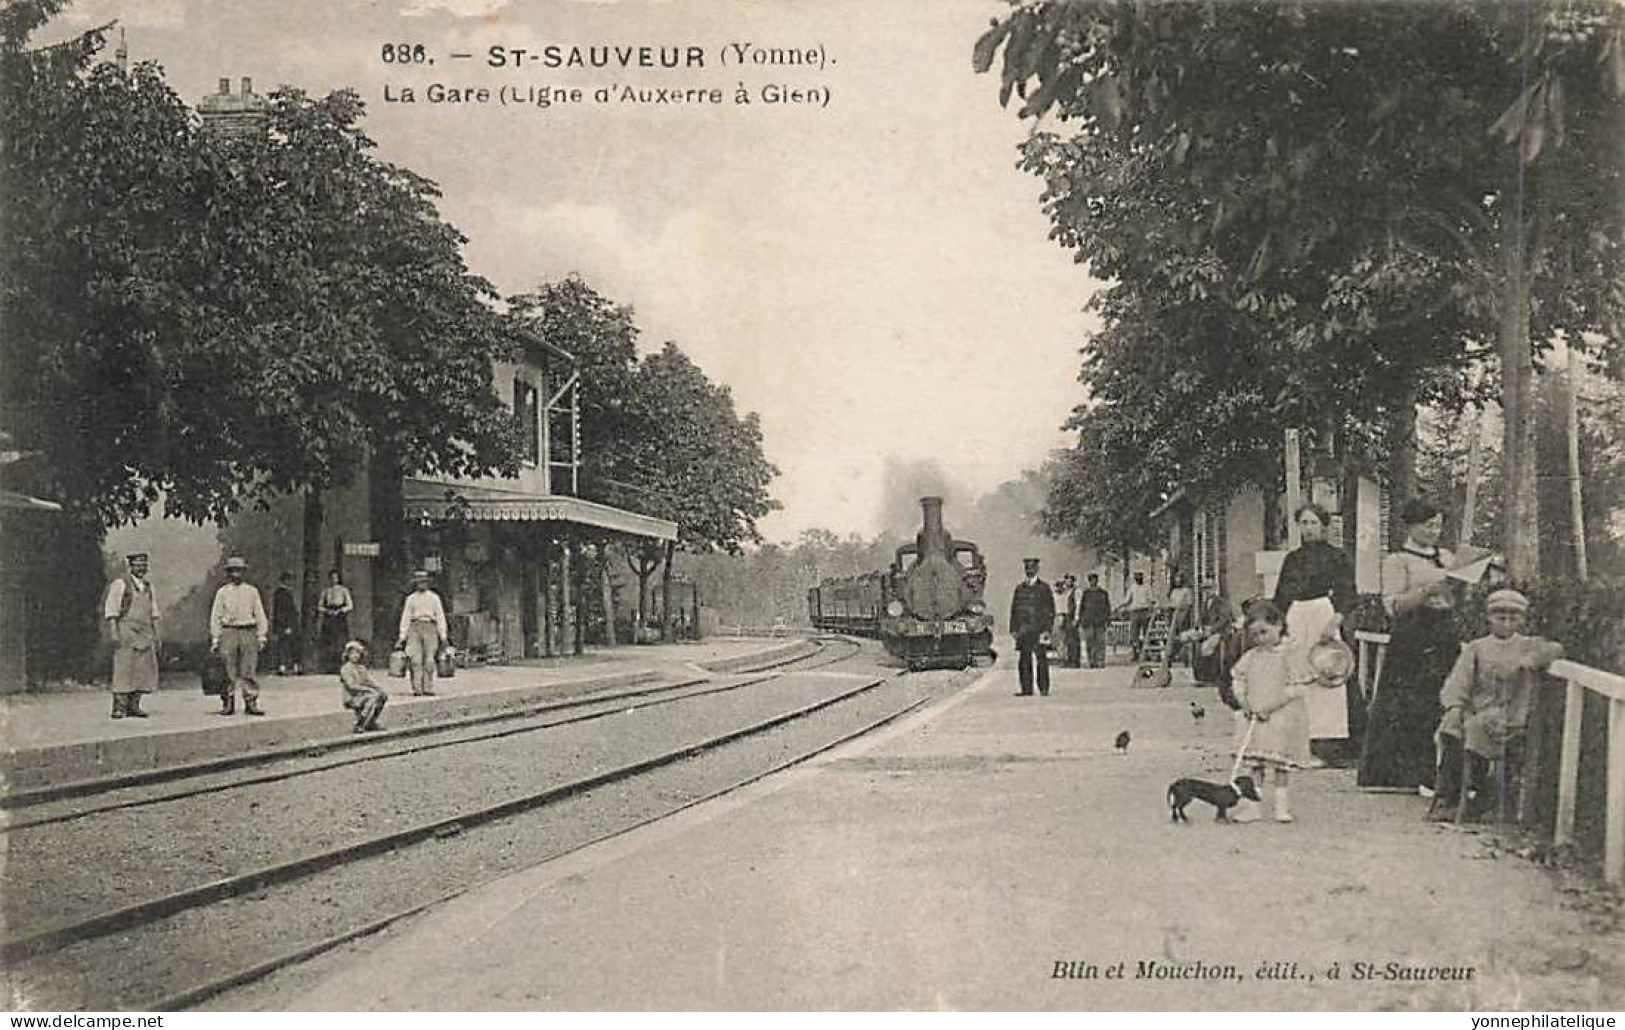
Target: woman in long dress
[[1315, 590], [1423, 644], [336, 605]]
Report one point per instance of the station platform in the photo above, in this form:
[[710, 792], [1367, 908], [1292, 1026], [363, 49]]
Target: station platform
[[996, 852], [51, 739]]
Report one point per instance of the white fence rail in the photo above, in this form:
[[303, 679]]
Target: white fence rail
[[1581, 678]]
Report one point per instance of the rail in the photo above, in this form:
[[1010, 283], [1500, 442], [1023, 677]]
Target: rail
[[1580, 678], [1577, 679]]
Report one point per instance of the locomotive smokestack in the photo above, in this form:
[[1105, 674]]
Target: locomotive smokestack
[[933, 538]]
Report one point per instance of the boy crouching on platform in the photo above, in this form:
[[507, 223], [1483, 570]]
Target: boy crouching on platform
[[1487, 699], [360, 693]]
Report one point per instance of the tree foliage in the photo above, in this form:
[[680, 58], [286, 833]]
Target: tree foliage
[[218, 320], [1322, 190], [698, 462]]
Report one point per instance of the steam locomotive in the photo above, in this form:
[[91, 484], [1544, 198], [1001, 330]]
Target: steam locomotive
[[927, 608]]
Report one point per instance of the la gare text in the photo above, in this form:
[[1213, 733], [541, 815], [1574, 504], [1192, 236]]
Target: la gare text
[[465, 95]]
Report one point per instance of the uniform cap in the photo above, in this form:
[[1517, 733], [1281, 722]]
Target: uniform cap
[[1029, 561], [1507, 601], [135, 556], [236, 563], [421, 574]]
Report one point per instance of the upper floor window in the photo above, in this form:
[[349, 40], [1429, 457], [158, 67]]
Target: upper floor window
[[525, 404]]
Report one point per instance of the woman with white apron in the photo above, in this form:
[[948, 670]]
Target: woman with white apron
[[1315, 590]]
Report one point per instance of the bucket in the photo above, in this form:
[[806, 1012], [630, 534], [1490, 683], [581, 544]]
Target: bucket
[[445, 663], [397, 664]]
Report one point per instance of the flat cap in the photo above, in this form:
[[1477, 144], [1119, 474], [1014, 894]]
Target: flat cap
[[1507, 601], [235, 562]]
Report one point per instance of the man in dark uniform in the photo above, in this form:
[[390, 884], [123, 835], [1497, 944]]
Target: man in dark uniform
[[1032, 614], [1095, 617]]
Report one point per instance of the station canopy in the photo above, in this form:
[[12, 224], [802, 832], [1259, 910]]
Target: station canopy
[[440, 502]]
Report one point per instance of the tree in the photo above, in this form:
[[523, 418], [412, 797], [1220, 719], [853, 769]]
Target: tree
[[1218, 156], [1601, 434], [97, 167], [379, 342], [697, 463], [220, 320]]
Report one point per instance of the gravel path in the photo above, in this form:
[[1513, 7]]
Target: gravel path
[[200, 944]]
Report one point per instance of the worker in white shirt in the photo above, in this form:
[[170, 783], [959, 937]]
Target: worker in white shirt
[[1141, 604], [131, 615], [238, 630], [423, 632]]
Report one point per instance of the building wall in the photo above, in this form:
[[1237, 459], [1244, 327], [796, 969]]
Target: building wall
[[533, 478], [187, 558], [1244, 532]]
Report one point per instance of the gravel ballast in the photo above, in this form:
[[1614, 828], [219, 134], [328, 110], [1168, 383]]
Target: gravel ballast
[[169, 846]]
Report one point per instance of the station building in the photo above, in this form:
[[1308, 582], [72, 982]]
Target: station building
[[522, 563]]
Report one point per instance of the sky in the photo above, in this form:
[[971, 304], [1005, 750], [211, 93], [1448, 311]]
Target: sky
[[872, 275]]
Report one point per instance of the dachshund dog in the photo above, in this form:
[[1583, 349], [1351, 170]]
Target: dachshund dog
[[1222, 796]]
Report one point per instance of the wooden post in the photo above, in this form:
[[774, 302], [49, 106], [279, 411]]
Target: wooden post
[[1613, 852], [666, 624], [608, 591], [545, 600], [545, 459], [581, 599], [566, 594], [1568, 763], [575, 438], [1576, 508]]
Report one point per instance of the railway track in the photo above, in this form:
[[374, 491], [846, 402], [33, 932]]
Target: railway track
[[125, 792], [300, 875], [841, 649]]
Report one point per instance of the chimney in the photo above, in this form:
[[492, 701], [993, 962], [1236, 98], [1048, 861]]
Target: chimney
[[933, 538], [235, 116]]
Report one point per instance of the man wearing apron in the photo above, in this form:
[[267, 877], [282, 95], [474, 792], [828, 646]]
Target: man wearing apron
[[132, 624]]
